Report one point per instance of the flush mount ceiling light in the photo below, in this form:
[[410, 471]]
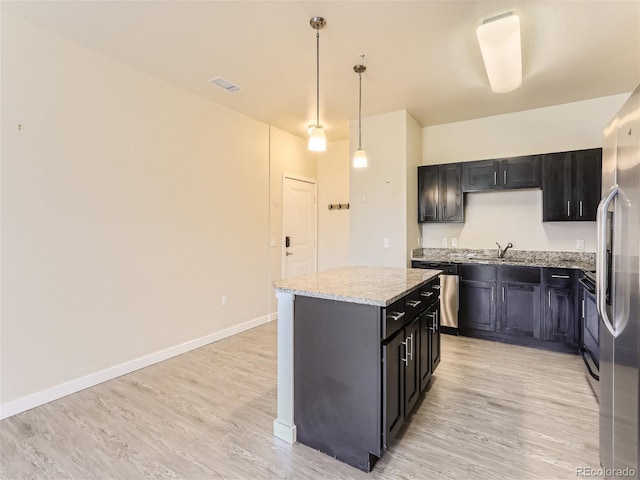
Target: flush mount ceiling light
[[499, 39], [317, 140], [359, 158]]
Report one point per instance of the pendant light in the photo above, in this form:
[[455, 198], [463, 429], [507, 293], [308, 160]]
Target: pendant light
[[317, 140], [359, 158]]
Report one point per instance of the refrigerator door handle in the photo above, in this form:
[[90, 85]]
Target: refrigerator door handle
[[601, 259]]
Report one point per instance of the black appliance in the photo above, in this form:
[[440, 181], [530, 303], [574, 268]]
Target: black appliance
[[590, 345]]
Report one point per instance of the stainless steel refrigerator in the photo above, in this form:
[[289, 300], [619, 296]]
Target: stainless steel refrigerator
[[618, 292]]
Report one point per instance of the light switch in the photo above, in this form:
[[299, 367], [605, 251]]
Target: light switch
[[385, 243], [454, 242], [444, 241], [580, 244], [272, 242]]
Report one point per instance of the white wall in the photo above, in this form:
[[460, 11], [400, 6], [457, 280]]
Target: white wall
[[516, 216], [129, 207], [333, 187], [289, 154], [378, 192], [414, 156]]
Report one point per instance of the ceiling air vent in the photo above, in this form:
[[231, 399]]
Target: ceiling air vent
[[222, 83]]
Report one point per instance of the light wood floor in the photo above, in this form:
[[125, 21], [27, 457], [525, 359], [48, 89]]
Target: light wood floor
[[493, 411]]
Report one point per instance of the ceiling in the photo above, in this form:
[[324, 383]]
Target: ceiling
[[421, 56]]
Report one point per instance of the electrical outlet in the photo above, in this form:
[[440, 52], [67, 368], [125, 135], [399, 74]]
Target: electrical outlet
[[454, 242], [580, 244], [223, 300], [385, 243], [444, 241]]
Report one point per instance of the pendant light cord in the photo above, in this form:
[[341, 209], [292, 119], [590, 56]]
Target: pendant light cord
[[360, 114], [317, 77]]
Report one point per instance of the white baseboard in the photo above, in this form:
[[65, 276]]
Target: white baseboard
[[28, 402]]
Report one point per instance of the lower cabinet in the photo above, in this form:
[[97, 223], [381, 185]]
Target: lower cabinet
[[513, 303], [559, 306], [409, 359], [520, 301], [477, 288]]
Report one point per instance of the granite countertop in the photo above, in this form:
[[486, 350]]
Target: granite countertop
[[379, 286], [523, 258]]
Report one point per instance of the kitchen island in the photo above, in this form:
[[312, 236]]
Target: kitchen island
[[356, 347]]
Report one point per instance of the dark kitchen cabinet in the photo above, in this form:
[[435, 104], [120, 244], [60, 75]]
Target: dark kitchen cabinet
[[521, 172], [477, 288], [571, 185], [440, 193], [480, 175], [435, 338], [424, 345], [393, 387], [412, 365], [559, 306], [502, 174], [520, 301]]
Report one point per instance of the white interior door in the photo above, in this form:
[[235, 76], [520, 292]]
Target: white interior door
[[298, 226]]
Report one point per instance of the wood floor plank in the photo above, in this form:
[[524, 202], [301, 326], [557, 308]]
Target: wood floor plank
[[491, 411]]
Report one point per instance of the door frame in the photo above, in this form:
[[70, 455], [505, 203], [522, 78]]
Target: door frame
[[314, 182]]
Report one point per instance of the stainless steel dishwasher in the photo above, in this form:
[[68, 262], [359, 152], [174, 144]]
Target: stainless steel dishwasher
[[449, 300]]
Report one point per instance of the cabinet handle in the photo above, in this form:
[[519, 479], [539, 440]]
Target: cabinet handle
[[549, 295], [413, 303], [495, 178], [426, 294], [581, 208], [435, 211], [560, 276], [411, 354], [396, 315], [505, 177], [583, 308], [436, 287], [568, 208], [502, 294], [492, 294], [406, 352], [436, 321]]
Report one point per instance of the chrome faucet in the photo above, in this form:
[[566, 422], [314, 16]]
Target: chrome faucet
[[501, 252]]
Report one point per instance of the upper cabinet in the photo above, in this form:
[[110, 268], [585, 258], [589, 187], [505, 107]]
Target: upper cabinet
[[571, 185], [440, 193], [505, 173]]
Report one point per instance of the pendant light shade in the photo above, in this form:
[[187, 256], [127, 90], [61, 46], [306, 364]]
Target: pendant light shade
[[317, 140], [360, 157]]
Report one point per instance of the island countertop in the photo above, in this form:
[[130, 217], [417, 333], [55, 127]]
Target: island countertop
[[379, 286]]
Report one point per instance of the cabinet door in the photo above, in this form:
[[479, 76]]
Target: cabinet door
[[424, 346], [435, 339], [480, 175], [520, 172], [588, 183], [556, 187], [520, 309], [477, 305], [393, 387], [559, 318], [451, 209], [428, 194], [412, 366]]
